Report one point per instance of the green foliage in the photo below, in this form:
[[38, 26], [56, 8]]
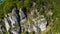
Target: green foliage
[[20, 4], [28, 3], [56, 16], [1, 11], [8, 5]]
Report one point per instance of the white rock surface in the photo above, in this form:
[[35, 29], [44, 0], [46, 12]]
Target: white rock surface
[[22, 16], [6, 24]]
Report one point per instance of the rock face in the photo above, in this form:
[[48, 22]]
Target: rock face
[[13, 19], [32, 17], [18, 21], [22, 16], [17, 17]]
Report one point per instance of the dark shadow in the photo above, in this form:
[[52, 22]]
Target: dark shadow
[[27, 32], [25, 11], [18, 19], [47, 24], [33, 32]]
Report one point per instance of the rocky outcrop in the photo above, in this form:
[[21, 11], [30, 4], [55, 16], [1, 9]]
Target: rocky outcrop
[[14, 19], [17, 17], [18, 21]]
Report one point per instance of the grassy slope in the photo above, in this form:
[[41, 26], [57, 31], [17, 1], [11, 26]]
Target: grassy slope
[[56, 17]]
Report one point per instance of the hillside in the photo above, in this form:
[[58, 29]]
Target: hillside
[[29, 16]]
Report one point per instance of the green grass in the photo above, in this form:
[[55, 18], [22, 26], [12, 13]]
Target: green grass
[[56, 17]]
